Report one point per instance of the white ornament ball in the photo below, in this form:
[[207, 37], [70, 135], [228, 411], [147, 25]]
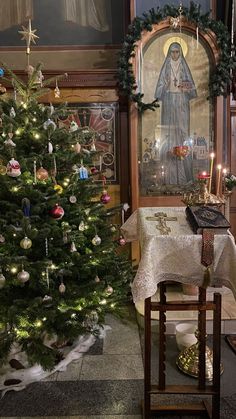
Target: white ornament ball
[[62, 288], [2, 281], [23, 276], [96, 240], [13, 168], [109, 290]]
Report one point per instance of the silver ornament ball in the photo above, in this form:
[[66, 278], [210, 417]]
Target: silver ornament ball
[[23, 276]]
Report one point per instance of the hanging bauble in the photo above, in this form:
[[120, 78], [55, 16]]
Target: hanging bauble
[[73, 199], [62, 288], [105, 198], [109, 290], [81, 226], [3, 170], [13, 168], [1, 72], [77, 147], [73, 126], [2, 280], [113, 229], [49, 123], [122, 241], [57, 92], [26, 206], [96, 240], [93, 147], [73, 247], [97, 279], [26, 243], [23, 276], [2, 89], [94, 170], [58, 189], [12, 112], [57, 212], [9, 142], [42, 174], [2, 239], [47, 299], [83, 172], [50, 147]]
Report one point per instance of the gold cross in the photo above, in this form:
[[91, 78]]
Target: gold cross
[[162, 218]]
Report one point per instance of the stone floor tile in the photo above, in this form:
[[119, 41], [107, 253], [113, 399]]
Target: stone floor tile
[[72, 372], [112, 367], [123, 338]]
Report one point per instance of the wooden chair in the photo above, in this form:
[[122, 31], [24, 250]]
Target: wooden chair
[[213, 390]]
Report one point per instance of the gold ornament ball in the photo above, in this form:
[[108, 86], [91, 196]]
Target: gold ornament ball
[[25, 243], [42, 174], [58, 189], [3, 170]]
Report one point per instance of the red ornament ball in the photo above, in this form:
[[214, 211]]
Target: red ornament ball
[[57, 212], [105, 198]]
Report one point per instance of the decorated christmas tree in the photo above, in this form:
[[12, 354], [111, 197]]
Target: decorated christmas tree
[[62, 268]]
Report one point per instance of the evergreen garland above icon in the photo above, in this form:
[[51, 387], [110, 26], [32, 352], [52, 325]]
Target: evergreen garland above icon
[[221, 74]]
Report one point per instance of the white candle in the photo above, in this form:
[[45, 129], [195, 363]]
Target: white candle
[[212, 155], [219, 170], [224, 173]]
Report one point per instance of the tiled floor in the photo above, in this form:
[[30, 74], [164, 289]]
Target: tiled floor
[[107, 382]]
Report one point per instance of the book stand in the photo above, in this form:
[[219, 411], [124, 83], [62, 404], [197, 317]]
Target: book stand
[[201, 389]]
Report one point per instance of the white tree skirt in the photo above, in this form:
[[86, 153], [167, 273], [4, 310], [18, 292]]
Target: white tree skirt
[[36, 373]]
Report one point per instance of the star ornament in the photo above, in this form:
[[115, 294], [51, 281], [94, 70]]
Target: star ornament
[[28, 35]]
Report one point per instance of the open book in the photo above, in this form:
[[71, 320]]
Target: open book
[[200, 217]]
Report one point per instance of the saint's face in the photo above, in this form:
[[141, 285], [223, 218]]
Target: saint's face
[[175, 54]]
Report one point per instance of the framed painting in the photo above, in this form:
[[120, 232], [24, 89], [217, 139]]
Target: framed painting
[[96, 124], [176, 139]]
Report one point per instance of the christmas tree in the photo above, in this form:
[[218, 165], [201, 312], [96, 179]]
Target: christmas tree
[[61, 265]]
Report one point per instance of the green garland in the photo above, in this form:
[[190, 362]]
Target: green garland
[[221, 74]]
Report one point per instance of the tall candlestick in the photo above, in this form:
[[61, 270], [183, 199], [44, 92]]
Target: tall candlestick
[[219, 169], [212, 155]]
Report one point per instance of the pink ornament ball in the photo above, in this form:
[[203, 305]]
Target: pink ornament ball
[[122, 241], [105, 198]]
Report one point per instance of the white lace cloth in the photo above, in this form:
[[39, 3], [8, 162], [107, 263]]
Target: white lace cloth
[[177, 256]]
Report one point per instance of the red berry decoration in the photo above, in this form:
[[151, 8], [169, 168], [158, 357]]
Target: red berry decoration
[[57, 212], [105, 198]]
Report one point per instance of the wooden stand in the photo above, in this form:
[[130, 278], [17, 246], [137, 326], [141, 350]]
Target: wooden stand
[[213, 390]]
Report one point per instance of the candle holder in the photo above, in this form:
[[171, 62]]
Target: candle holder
[[201, 195]]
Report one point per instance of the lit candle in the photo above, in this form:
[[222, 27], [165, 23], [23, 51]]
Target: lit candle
[[212, 155], [203, 176], [219, 170], [224, 173]]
